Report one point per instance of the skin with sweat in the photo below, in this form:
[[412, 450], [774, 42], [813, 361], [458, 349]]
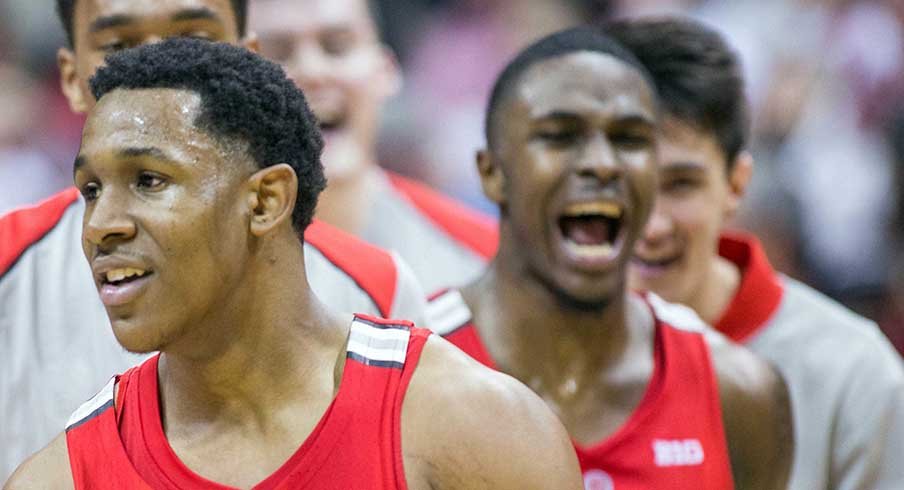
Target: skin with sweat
[[578, 128], [579, 132], [195, 255]]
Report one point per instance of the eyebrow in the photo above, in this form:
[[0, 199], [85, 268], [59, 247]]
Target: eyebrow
[[78, 163], [118, 20], [203, 13], [683, 166], [149, 151], [110, 21]]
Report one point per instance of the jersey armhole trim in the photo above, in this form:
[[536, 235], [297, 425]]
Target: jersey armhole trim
[[473, 229], [348, 254], [24, 227]]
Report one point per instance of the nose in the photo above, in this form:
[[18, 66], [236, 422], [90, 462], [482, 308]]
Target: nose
[[659, 226], [106, 223], [598, 160], [308, 65]]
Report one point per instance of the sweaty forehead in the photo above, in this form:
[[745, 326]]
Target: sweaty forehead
[[583, 81], [310, 15], [144, 117]]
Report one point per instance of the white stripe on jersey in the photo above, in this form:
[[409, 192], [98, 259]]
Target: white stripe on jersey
[[378, 344], [676, 315], [447, 312], [102, 397]]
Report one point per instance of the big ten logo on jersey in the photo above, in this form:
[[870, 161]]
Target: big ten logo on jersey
[[598, 480], [677, 452]]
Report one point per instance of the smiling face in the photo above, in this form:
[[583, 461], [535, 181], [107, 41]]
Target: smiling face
[[575, 143], [165, 225], [681, 241], [331, 50], [101, 27]]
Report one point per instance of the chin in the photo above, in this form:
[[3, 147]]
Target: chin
[[585, 295], [137, 338]]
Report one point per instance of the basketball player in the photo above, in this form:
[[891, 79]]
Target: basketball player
[[57, 336], [650, 397], [332, 50], [200, 170], [846, 381]]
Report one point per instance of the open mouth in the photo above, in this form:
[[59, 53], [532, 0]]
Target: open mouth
[[591, 229], [123, 285], [125, 275]]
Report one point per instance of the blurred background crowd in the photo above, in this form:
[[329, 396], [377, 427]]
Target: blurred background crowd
[[825, 81]]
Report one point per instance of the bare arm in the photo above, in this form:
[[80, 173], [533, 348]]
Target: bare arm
[[48, 468], [756, 411], [467, 427]]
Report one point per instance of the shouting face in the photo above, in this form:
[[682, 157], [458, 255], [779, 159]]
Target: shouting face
[[574, 164]]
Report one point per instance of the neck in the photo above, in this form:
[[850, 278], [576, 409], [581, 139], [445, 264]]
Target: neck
[[537, 339], [346, 203], [720, 284], [270, 343]]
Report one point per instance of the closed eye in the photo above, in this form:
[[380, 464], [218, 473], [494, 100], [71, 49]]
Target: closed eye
[[680, 184]]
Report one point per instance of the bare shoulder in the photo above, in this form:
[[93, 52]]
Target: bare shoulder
[[48, 468], [467, 426], [756, 411]]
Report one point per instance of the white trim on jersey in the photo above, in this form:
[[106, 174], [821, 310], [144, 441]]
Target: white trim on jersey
[[92, 406], [374, 345], [447, 312], [676, 315]]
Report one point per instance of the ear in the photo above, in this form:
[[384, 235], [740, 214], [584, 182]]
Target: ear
[[251, 42], [738, 180], [271, 199], [70, 83], [390, 80], [492, 179]]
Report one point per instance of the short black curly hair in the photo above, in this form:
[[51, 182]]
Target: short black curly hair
[[561, 43], [243, 96], [66, 12], [697, 74]]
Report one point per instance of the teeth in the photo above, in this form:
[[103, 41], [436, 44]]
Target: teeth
[[590, 251], [116, 275], [607, 209]]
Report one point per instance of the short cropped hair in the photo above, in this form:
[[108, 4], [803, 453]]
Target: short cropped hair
[[560, 43], [698, 76], [66, 13], [243, 97]]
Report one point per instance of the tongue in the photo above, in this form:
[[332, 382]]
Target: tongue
[[586, 230]]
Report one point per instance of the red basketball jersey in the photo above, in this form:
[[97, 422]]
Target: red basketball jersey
[[356, 444], [674, 439]]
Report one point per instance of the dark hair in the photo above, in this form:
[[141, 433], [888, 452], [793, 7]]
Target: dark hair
[[243, 96], [66, 13], [560, 43], [697, 75]]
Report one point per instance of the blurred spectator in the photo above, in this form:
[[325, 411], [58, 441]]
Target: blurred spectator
[[825, 79], [26, 174]]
